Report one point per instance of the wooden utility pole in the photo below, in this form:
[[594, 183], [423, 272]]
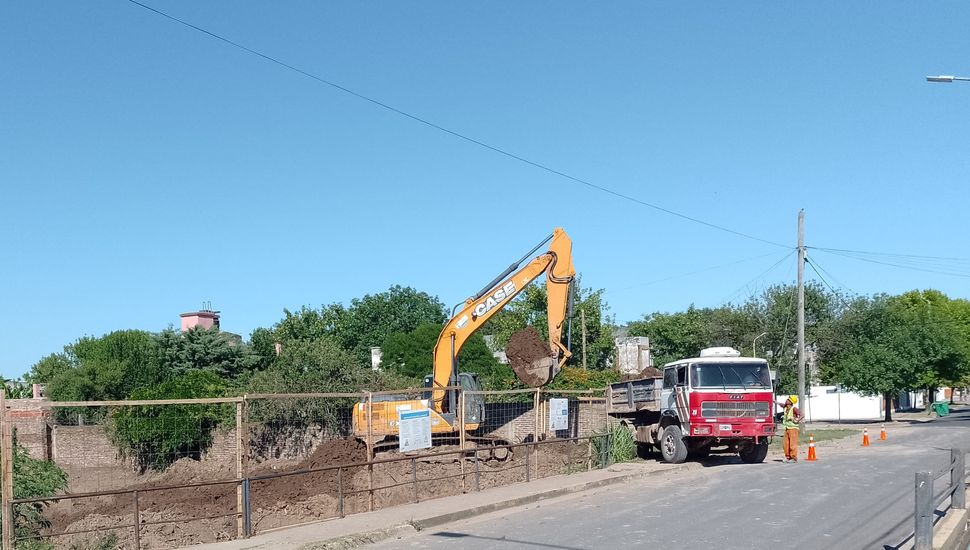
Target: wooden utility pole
[[582, 320], [6, 460], [801, 310]]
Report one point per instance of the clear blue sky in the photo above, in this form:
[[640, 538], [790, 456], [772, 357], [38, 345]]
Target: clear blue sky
[[146, 167]]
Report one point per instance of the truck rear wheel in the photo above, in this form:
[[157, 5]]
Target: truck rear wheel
[[672, 445], [754, 453]]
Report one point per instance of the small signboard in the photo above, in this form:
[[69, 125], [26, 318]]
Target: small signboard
[[558, 414], [414, 428]]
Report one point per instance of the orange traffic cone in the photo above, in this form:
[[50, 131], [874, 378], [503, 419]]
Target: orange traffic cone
[[865, 437], [882, 433], [811, 448]]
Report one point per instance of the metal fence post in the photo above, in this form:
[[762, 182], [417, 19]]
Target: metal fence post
[[958, 479], [6, 461], [923, 537], [535, 440], [461, 437], [414, 477], [247, 510], [478, 474], [134, 501], [240, 528], [528, 469], [370, 451], [340, 492]]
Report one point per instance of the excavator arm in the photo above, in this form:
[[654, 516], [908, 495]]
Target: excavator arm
[[556, 263]]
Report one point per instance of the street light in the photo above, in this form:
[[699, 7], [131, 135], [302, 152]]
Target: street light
[[945, 78], [754, 349]]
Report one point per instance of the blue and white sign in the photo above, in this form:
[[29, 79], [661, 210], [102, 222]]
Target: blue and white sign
[[558, 414], [414, 430]]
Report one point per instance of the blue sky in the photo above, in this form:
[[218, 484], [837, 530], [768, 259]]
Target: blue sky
[[147, 167]]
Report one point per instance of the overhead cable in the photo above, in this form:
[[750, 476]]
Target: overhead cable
[[455, 133]]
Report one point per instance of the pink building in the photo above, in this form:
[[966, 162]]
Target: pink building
[[205, 319]]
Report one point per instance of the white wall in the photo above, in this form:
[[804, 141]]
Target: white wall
[[827, 403]]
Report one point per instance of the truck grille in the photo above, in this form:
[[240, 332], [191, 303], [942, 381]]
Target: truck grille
[[734, 409]]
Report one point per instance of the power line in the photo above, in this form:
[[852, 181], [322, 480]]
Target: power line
[[894, 264], [453, 133], [702, 270], [761, 275], [815, 265], [826, 249], [834, 292]]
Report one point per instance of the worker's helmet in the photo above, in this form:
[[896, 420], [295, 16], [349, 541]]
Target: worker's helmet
[[793, 399]]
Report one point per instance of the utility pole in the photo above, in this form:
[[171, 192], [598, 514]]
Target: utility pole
[[801, 309], [582, 320]]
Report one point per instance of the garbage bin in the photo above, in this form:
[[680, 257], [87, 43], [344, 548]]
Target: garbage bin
[[941, 408]]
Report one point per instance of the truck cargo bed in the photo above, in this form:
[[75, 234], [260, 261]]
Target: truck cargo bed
[[633, 395]]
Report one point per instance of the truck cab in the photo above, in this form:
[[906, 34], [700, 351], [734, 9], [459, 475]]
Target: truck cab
[[718, 399]]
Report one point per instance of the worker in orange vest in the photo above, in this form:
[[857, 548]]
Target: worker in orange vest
[[790, 418]]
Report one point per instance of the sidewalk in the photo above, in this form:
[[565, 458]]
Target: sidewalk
[[358, 529]]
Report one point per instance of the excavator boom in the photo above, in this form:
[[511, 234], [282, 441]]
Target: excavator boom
[[557, 264]]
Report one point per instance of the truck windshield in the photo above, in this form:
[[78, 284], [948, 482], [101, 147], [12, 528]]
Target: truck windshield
[[730, 375]]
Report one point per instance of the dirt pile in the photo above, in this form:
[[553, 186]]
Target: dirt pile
[[648, 372], [295, 499], [298, 487], [530, 358]]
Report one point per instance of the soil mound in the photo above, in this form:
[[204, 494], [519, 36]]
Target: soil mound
[[525, 348]]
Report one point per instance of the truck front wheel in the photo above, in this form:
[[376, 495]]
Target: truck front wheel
[[754, 453], [672, 445]]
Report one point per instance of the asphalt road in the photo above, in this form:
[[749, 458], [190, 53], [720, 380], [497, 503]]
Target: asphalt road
[[853, 497]]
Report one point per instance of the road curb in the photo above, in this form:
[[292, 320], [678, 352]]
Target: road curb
[[356, 540]]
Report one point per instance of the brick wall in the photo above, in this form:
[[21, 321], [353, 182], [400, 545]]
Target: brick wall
[[90, 446], [30, 426], [87, 446], [516, 422]]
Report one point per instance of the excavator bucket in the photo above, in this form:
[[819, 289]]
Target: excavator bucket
[[531, 359], [537, 373]]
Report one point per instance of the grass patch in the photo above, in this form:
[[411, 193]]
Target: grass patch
[[616, 445], [820, 435]]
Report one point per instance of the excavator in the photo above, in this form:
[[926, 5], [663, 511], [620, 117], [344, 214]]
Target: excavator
[[445, 383]]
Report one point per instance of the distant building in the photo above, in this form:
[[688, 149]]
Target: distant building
[[205, 318]]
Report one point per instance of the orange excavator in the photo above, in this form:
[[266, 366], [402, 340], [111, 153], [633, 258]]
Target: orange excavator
[[446, 382]]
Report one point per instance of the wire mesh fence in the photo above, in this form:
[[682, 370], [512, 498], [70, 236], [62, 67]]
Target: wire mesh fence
[[158, 474]]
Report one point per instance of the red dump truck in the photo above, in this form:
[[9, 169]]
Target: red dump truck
[[717, 402]]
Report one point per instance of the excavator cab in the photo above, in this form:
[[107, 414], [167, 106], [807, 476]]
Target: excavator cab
[[474, 402]]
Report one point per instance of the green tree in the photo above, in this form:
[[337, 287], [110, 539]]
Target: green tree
[[673, 335], [205, 349], [306, 366], [319, 365], [411, 354], [371, 319], [35, 478], [885, 345], [684, 334], [309, 323], [104, 368], [262, 342], [43, 371], [367, 322], [157, 436], [120, 361]]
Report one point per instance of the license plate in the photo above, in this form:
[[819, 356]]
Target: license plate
[[724, 427]]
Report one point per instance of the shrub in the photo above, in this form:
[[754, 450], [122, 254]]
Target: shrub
[[158, 435], [34, 478], [615, 445]]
